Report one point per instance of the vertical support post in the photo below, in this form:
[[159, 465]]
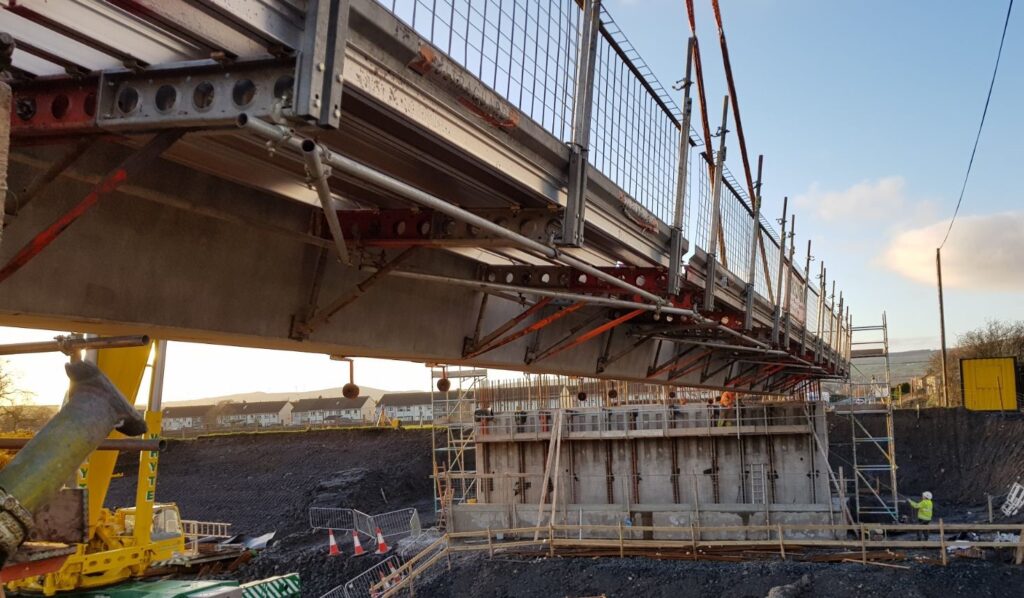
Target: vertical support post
[[716, 219], [777, 318], [321, 63], [576, 203], [832, 321], [782, 545], [755, 238], [839, 328], [807, 287], [822, 293], [789, 278], [942, 543], [942, 328], [1019, 557], [145, 493], [988, 497], [676, 255]]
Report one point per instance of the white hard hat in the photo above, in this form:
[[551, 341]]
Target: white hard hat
[[927, 495]]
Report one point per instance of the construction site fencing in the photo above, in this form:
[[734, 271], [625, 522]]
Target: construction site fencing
[[332, 518], [393, 524], [360, 586], [398, 524]]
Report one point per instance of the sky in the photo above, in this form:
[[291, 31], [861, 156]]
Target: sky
[[865, 112]]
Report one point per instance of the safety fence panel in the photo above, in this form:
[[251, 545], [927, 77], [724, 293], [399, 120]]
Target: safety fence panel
[[397, 524], [634, 136], [331, 518], [524, 50], [364, 524], [528, 52], [359, 586]]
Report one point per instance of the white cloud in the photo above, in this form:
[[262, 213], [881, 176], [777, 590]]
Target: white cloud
[[866, 200], [984, 253]]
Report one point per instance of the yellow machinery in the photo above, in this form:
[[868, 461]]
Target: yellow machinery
[[124, 543]]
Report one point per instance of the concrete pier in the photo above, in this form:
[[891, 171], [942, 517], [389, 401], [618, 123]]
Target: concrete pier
[[683, 466]]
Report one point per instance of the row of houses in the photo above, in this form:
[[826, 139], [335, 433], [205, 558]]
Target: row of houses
[[409, 407]]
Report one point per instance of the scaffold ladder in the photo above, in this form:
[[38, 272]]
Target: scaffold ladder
[[873, 448]]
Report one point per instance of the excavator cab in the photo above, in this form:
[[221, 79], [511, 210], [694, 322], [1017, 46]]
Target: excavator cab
[[166, 521]]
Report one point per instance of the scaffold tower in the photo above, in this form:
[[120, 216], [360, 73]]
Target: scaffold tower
[[454, 450], [875, 495]]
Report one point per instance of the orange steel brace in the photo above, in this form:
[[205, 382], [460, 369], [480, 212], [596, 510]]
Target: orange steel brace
[[672, 363], [541, 323], [709, 155], [735, 104], [510, 324], [771, 372], [693, 367], [110, 183], [758, 375], [586, 336]]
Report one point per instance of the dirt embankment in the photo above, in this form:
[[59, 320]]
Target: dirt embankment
[[956, 454], [267, 482]]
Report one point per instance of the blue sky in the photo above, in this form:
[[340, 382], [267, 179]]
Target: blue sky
[[866, 112]]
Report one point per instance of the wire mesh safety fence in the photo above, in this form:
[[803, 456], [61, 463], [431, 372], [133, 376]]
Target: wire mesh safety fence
[[398, 524], [331, 518], [392, 525], [384, 572], [524, 50], [528, 52]]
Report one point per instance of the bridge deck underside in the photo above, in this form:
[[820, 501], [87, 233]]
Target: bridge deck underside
[[222, 240]]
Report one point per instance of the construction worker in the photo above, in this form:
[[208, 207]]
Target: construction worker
[[923, 510], [728, 402]]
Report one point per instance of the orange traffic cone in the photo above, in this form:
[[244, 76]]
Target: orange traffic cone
[[333, 545], [358, 548], [382, 547]]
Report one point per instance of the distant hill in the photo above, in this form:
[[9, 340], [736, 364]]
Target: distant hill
[[903, 366], [258, 397]]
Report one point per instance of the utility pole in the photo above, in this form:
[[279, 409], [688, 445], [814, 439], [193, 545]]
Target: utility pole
[[942, 328]]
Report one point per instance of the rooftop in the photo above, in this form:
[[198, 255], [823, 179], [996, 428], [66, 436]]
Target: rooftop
[[328, 403]]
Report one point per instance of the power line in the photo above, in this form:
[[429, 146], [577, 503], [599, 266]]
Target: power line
[[984, 112]]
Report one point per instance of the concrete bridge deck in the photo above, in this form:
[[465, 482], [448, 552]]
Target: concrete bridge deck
[[515, 204]]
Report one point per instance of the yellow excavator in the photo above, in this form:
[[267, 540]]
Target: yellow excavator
[[97, 547]]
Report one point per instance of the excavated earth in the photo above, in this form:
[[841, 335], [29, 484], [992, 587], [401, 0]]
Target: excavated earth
[[267, 482], [958, 455]]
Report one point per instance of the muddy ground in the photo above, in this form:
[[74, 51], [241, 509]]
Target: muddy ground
[[267, 482], [477, 577]]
